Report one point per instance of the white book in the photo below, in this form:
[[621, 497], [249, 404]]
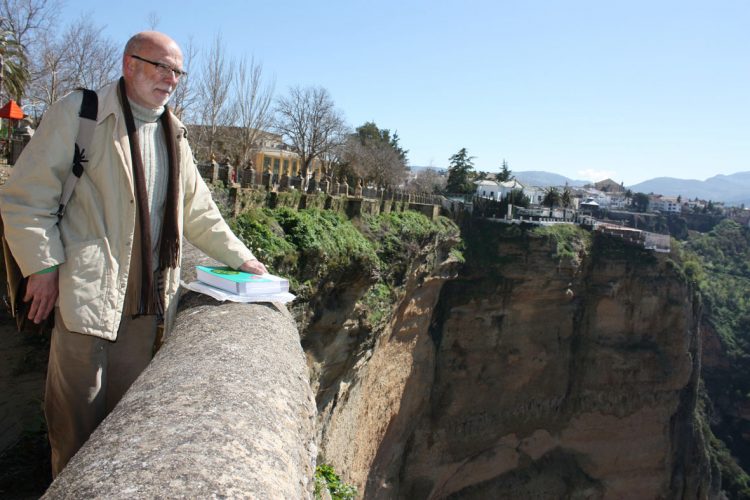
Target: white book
[[239, 282]]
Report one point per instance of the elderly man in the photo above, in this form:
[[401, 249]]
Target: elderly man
[[115, 255]]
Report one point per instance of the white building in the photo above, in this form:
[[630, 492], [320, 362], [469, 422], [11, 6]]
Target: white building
[[603, 199], [488, 189], [508, 186], [497, 190], [665, 204]]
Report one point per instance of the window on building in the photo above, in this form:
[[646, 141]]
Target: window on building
[[286, 165], [294, 167], [276, 164], [266, 162]]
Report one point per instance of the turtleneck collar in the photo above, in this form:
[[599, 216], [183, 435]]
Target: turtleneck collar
[[145, 114]]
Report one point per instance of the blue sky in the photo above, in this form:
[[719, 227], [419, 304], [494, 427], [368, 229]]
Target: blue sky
[[588, 89]]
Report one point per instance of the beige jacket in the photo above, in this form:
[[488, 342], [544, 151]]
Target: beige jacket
[[93, 243]]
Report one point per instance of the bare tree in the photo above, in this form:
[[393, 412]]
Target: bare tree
[[27, 21], [375, 156], [214, 86], [81, 57], [252, 103], [427, 180], [93, 59], [29, 18], [308, 119], [49, 84], [153, 20], [184, 97]]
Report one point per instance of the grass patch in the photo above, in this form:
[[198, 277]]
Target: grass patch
[[260, 231], [567, 240]]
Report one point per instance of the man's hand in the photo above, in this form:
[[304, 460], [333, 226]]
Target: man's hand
[[42, 291], [253, 266]]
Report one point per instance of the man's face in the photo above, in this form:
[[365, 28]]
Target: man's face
[[147, 84]]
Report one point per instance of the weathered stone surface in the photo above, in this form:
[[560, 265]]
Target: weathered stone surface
[[224, 410]]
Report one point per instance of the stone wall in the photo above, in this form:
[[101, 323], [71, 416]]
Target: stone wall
[[225, 409]]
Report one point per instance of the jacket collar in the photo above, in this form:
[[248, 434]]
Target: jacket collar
[[109, 102]]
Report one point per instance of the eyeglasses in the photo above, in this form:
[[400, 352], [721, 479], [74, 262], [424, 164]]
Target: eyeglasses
[[164, 70]]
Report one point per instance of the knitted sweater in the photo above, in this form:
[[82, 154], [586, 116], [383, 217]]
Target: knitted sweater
[[155, 166]]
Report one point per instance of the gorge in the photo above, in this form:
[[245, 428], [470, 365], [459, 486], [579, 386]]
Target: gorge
[[554, 365], [498, 361]]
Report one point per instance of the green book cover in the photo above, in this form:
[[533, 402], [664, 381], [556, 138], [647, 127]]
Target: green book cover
[[230, 274], [240, 282]]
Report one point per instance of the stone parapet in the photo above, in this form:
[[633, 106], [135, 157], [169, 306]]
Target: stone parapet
[[224, 410]]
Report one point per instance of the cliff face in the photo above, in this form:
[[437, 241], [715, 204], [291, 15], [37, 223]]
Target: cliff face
[[546, 369]]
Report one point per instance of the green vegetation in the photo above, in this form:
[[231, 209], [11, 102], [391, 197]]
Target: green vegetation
[[552, 197], [734, 480], [258, 229], [220, 195], [640, 202], [568, 239], [460, 173], [719, 262], [324, 241], [314, 247], [326, 477], [613, 247], [505, 174], [398, 236], [378, 301]]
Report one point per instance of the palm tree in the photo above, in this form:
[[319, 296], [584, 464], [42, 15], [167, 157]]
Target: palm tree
[[551, 197], [566, 198], [14, 73]]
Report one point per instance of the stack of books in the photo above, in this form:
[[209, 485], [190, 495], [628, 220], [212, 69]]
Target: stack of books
[[242, 283]]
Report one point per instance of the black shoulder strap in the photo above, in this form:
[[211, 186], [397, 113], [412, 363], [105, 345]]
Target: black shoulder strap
[[86, 126]]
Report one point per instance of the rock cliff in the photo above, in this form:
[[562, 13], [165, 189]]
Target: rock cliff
[[555, 365]]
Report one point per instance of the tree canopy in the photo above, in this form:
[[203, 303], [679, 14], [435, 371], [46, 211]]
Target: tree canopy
[[640, 202], [552, 197], [505, 174], [375, 156], [460, 173]]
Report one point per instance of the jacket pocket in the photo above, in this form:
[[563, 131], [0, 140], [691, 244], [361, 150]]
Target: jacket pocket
[[86, 280]]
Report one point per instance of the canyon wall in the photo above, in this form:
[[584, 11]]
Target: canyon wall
[[556, 364]]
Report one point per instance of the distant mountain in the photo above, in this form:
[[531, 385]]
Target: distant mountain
[[543, 179], [733, 189]]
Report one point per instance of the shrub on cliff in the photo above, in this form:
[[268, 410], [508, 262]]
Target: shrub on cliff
[[325, 240], [320, 248], [326, 477], [567, 240], [305, 243], [399, 236], [258, 229]]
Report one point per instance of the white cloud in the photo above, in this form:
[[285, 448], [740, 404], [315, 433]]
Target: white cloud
[[594, 175]]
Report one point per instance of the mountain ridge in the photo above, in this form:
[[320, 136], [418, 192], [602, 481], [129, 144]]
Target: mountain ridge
[[733, 189]]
